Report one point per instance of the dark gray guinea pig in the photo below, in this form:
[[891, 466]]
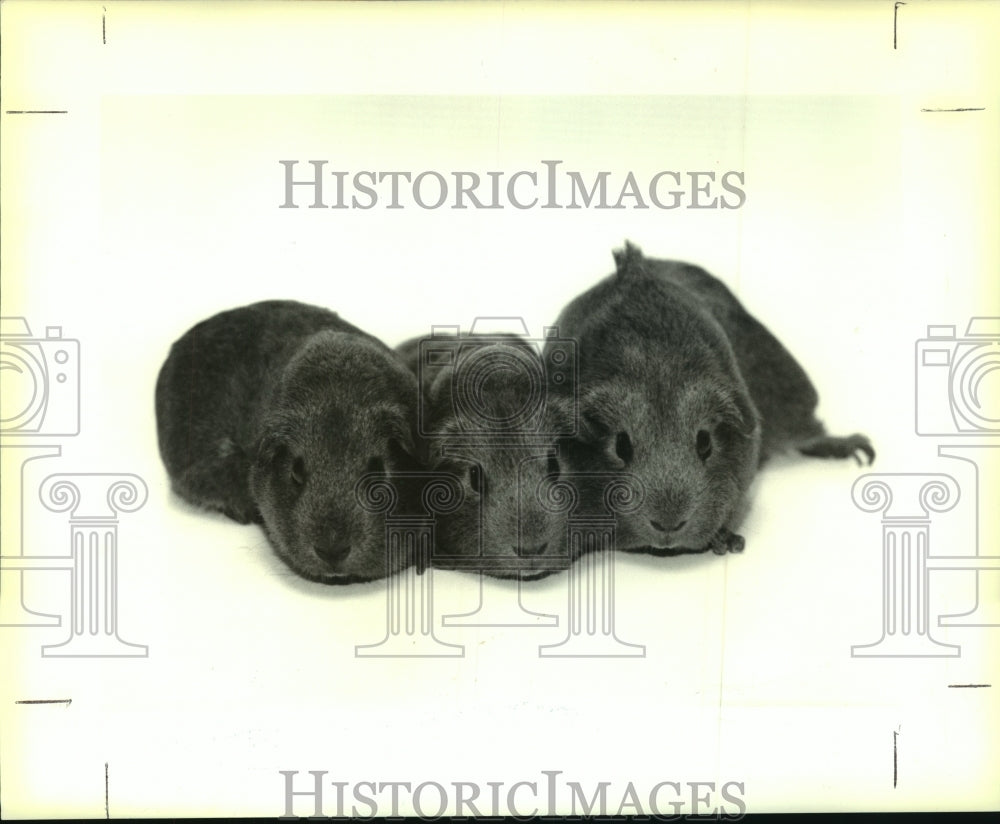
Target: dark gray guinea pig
[[271, 413], [684, 389], [487, 421]]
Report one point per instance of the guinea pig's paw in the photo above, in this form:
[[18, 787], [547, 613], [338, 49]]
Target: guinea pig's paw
[[725, 541], [852, 446]]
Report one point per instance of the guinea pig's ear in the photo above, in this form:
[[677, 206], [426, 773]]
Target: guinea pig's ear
[[559, 417], [270, 446], [404, 447], [596, 417], [436, 397], [739, 413], [404, 455], [599, 430]]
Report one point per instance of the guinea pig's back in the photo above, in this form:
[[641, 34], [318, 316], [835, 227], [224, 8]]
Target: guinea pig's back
[[217, 375], [779, 387], [633, 324]]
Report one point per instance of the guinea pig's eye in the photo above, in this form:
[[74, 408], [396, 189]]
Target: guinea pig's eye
[[703, 444], [623, 446], [375, 465], [476, 479], [297, 471], [552, 466]]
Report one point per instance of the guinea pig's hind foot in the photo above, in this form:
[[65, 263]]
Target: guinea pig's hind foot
[[828, 446], [725, 541]]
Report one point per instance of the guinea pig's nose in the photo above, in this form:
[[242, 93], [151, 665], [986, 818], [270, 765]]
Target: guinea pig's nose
[[333, 549], [530, 552]]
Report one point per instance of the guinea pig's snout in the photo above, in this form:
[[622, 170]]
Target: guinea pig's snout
[[530, 551], [666, 537], [333, 546], [675, 528]]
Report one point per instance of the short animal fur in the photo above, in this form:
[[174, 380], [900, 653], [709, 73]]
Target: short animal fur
[[681, 387], [502, 529], [270, 413]]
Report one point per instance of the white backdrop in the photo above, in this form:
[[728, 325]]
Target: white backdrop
[[153, 203]]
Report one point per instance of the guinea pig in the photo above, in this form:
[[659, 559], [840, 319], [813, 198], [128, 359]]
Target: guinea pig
[[680, 386], [271, 413], [484, 411]]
